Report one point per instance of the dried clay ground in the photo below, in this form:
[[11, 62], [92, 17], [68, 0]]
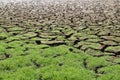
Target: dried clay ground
[[57, 48]]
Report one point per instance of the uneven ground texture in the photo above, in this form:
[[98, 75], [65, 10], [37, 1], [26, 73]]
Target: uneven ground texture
[[59, 53]]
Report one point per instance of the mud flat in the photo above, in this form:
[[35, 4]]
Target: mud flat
[[48, 50]]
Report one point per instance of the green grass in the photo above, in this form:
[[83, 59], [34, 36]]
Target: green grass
[[3, 36], [110, 73], [55, 63], [21, 58]]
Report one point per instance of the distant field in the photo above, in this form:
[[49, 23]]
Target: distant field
[[66, 41]]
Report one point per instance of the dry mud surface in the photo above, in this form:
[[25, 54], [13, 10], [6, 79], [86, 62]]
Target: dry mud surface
[[59, 53]]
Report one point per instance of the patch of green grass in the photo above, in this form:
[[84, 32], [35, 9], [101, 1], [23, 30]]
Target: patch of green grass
[[93, 62], [2, 47], [3, 36], [70, 73], [113, 48], [52, 63], [12, 64], [117, 60], [110, 73], [30, 61]]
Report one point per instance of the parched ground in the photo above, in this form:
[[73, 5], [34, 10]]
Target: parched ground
[[60, 53]]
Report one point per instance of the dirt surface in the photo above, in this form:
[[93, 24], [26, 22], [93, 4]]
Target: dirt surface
[[78, 40]]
